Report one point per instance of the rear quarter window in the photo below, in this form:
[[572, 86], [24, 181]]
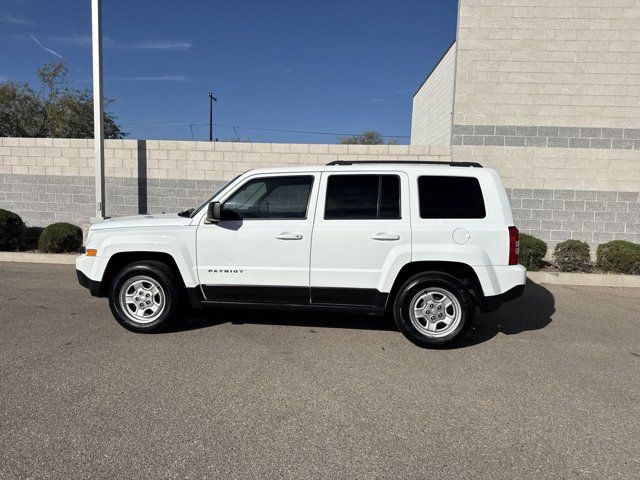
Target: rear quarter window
[[450, 197]]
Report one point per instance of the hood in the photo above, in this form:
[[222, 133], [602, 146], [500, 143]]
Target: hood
[[140, 221]]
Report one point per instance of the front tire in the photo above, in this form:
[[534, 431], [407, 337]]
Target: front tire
[[144, 297], [433, 309]]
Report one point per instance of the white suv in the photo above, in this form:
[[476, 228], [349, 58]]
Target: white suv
[[425, 241]]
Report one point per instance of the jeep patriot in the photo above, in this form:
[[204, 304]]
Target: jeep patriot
[[426, 242]]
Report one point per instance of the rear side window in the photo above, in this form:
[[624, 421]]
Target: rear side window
[[358, 197], [450, 197]]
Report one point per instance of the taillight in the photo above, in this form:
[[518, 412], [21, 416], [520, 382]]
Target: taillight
[[514, 245]]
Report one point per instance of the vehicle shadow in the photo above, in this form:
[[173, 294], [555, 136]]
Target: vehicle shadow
[[297, 318], [533, 311]]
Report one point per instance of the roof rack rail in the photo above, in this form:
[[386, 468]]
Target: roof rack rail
[[411, 162]]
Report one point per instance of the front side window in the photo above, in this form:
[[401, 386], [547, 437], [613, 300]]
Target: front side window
[[195, 212], [362, 197], [450, 197], [270, 198]]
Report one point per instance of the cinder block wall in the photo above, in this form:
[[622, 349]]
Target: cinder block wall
[[50, 180], [555, 193]]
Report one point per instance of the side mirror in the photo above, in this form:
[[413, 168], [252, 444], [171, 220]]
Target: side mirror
[[214, 212]]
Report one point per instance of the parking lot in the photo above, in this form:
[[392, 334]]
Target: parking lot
[[547, 387]]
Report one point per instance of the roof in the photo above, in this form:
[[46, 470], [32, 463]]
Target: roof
[[437, 168]]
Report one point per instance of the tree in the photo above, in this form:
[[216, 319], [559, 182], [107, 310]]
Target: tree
[[55, 111], [368, 137]]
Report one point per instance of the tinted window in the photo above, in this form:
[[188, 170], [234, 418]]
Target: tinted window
[[450, 197], [362, 197], [272, 197], [389, 196]]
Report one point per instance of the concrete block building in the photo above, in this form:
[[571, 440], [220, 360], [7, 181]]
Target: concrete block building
[[548, 93], [433, 103]]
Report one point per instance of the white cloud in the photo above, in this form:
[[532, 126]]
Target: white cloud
[[159, 44], [6, 18], [75, 40], [171, 45], [53, 52], [156, 78]]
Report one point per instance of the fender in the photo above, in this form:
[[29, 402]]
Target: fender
[[393, 263], [179, 243], [471, 255]]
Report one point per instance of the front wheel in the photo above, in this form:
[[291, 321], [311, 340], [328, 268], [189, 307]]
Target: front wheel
[[433, 309], [144, 297]]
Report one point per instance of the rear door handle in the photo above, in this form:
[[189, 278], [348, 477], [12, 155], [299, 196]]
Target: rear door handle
[[383, 236], [288, 236]]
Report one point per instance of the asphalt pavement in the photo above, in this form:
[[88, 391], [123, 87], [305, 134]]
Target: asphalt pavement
[[546, 387]]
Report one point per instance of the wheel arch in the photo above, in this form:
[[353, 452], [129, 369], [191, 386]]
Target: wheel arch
[[462, 272], [121, 259]]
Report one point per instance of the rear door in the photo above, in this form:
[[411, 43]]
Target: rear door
[[362, 231]]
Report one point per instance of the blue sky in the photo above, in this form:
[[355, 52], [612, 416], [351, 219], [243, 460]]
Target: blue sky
[[327, 66]]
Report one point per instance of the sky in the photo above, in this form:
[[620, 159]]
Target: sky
[[333, 66]]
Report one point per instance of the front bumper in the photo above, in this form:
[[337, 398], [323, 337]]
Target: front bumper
[[86, 282], [88, 268]]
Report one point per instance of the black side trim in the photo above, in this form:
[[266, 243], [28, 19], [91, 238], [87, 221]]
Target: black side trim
[[294, 307], [489, 304], [86, 282], [361, 297], [368, 299], [256, 294]]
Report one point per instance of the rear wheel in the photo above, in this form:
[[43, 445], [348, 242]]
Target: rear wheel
[[433, 309], [144, 296]]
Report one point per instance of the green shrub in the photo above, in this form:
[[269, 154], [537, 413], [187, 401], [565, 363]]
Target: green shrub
[[532, 251], [619, 256], [60, 238], [11, 226], [573, 256]]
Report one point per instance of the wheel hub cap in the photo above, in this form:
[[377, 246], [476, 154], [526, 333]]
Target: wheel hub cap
[[435, 312], [142, 299]]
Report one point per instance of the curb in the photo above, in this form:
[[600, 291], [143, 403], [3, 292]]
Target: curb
[[585, 279], [550, 278], [27, 257]]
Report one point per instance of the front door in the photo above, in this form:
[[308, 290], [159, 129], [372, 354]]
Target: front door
[[260, 250]]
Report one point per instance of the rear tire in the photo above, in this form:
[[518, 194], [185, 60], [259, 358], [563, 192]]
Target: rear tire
[[433, 309], [144, 296]]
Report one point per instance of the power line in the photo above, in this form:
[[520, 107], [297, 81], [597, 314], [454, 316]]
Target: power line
[[308, 132]]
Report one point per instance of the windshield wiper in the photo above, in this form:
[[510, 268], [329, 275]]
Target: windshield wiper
[[185, 213]]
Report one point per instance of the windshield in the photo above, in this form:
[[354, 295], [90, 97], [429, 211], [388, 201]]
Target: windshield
[[194, 213]]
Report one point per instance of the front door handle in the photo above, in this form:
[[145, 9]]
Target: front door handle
[[384, 236], [289, 236]]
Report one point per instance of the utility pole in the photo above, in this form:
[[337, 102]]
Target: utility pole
[[98, 106], [211, 100]]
